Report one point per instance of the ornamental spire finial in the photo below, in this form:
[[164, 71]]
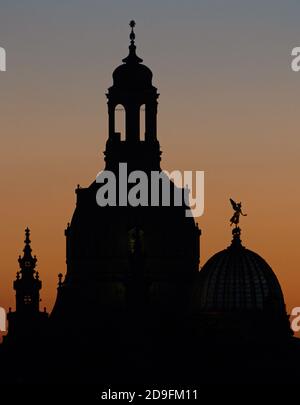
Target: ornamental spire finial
[[132, 57], [27, 249], [132, 33], [27, 262], [27, 236]]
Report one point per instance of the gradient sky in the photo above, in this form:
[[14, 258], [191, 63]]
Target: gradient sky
[[229, 105]]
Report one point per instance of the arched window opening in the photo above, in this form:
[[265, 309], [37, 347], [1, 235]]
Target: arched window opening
[[120, 121], [142, 122]]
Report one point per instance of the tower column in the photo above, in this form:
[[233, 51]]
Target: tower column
[[132, 122], [151, 125], [111, 119]]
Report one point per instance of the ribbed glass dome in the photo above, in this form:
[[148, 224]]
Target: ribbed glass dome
[[237, 279]]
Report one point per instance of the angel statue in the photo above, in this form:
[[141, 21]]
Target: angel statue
[[235, 219]]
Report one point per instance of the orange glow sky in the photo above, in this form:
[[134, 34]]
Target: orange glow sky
[[229, 105]]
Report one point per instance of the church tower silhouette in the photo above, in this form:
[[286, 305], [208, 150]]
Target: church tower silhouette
[[124, 261], [27, 320], [133, 90]]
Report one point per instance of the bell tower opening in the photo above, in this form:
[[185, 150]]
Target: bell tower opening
[[143, 122], [120, 122]]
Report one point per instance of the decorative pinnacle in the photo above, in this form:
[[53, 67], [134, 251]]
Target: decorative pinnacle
[[60, 277], [27, 249], [27, 236], [132, 33], [132, 57], [27, 262]]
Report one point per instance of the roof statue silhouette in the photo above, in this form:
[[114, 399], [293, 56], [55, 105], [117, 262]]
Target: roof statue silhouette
[[235, 219]]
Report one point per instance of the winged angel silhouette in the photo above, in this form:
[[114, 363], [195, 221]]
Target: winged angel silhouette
[[235, 219]]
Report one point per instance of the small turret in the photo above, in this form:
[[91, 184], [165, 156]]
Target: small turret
[[27, 317]]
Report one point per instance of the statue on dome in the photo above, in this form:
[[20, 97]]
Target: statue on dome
[[235, 219]]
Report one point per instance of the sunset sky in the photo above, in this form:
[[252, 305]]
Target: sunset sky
[[229, 105]]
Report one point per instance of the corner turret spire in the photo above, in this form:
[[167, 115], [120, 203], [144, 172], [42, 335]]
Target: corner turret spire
[[27, 262], [27, 318]]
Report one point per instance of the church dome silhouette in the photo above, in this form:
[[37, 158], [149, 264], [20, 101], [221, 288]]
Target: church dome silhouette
[[238, 279], [132, 74]]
